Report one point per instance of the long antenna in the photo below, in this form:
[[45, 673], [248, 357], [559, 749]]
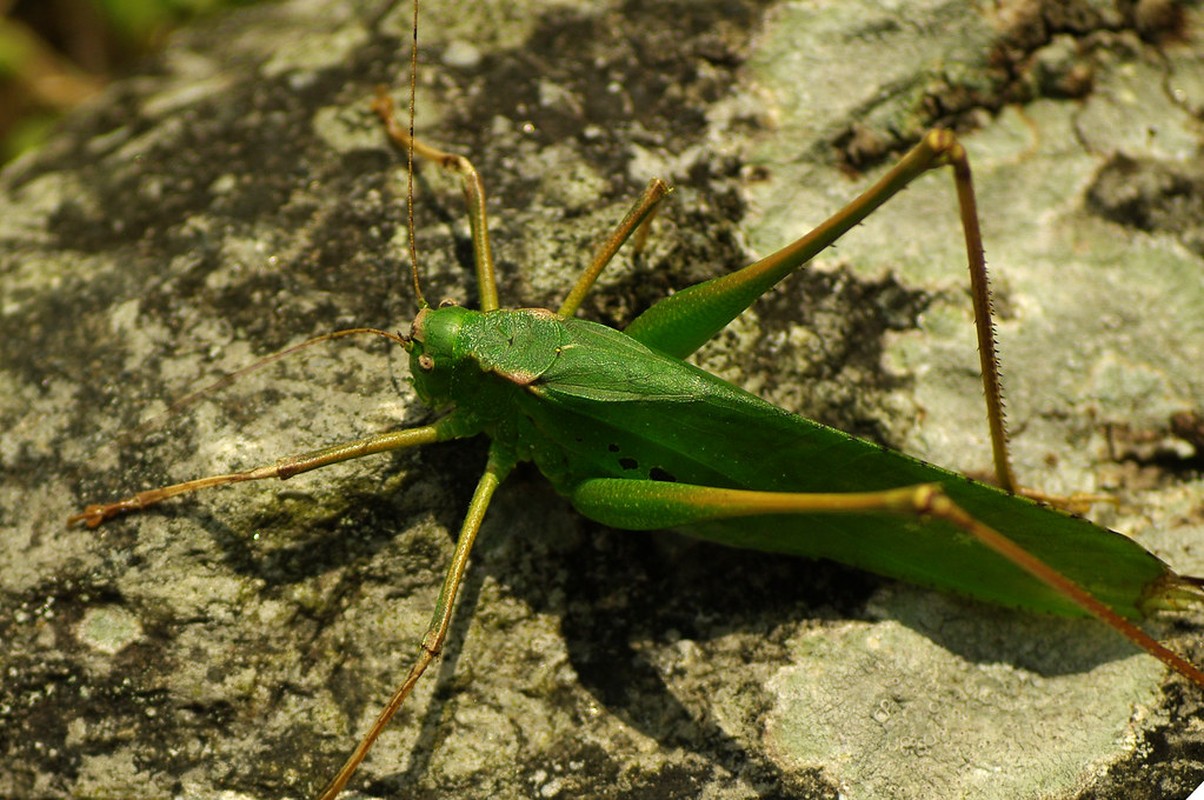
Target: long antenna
[[410, 164]]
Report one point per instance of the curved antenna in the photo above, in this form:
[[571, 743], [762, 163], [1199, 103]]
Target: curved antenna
[[190, 399], [410, 164]]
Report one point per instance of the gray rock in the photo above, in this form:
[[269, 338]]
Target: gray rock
[[236, 196]]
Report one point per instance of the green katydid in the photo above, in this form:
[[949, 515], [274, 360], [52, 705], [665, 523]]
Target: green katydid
[[585, 372]]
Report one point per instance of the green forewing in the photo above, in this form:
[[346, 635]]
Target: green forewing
[[606, 406], [584, 401]]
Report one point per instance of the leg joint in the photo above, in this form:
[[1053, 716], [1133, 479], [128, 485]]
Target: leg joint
[[945, 145]]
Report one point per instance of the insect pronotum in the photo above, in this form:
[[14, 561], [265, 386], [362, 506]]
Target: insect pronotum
[[678, 654]]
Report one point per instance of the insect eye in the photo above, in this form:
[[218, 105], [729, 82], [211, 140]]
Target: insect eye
[[426, 363]]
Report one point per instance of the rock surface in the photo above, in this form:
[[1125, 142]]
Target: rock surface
[[236, 196]]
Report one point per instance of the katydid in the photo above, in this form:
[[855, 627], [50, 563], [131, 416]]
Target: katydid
[[636, 438], [639, 439]]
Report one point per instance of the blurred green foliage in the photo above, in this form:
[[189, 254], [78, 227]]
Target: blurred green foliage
[[54, 54]]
